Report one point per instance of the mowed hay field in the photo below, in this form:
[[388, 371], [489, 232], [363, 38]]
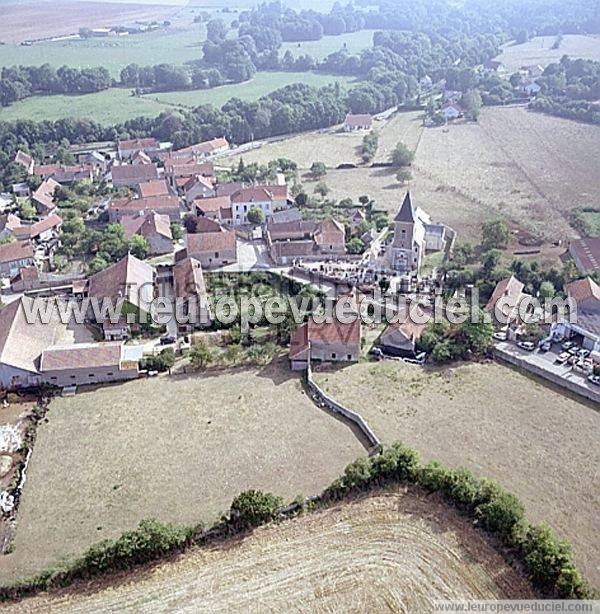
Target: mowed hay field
[[537, 443], [33, 20], [394, 552], [177, 449], [539, 51], [529, 168]]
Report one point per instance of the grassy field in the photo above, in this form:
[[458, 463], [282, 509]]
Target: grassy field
[[261, 84], [394, 552], [529, 168], [539, 50], [176, 449], [118, 105], [171, 46], [534, 441], [353, 42]]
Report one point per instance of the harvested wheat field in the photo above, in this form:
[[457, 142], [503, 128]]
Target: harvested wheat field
[[539, 50], [177, 449], [38, 20], [395, 552], [536, 442]]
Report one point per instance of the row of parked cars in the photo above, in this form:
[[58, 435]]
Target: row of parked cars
[[571, 354]]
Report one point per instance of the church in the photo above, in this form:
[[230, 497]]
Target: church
[[414, 235]]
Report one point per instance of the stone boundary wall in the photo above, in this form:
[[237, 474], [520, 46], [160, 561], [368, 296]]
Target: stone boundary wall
[[557, 380], [348, 414]]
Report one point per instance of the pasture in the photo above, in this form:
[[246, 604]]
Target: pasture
[[529, 168], [352, 42], [536, 442], [262, 83], [539, 51], [398, 551], [178, 449], [118, 105]]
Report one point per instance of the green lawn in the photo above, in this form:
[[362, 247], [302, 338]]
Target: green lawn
[[353, 42], [261, 84], [118, 105], [171, 46]]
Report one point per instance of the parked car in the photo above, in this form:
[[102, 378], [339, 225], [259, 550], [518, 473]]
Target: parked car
[[168, 340], [583, 353], [500, 335], [561, 359], [527, 345], [574, 350], [545, 346], [567, 345], [594, 379]]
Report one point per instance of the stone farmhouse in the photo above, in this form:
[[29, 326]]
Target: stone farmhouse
[[354, 122], [154, 227], [14, 256], [211, 249], [503, 305], [325, 342], [189, 289], [154, 187], [127, 149], [43, 197], [289, 241], [30, 356], [132, 175], [266, 198], [163, 205]]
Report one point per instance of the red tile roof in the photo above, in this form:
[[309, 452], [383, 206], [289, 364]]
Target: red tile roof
[[154, 187], [587, 252], [35, 230], [136, 173], [211, 241], [583, 290], [214, 204], [324, 333], [510, 286], [18, 250], [355, 119], [81, 356]]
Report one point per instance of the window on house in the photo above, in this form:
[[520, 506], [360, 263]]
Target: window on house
[[72, 377], [110, 373], [333, 355], [216, 254], [54, 378], [349, 356]]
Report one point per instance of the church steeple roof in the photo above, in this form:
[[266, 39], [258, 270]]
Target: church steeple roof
[[406, 212]]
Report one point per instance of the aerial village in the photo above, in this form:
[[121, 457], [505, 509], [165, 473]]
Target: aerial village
[[192, 225]]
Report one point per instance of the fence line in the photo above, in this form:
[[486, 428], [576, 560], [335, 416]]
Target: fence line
[[348, 414]]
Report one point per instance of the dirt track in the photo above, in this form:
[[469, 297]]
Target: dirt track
[[392, 552]]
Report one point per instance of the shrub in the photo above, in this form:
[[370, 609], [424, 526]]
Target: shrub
[[546, 558], [502, 515], [462, 487], [358, 473], [399, 462], [161, 362], [253, 508], [434, 477], [149, 541]]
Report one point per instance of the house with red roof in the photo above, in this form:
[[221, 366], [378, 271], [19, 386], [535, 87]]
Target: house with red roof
[[266, 198], [128, 148], [333, 341], [164, 205], [154, 227], [211, 249], [358, 121], [15, 256]]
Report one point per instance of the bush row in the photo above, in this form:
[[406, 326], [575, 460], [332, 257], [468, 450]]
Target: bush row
[[547, 560]]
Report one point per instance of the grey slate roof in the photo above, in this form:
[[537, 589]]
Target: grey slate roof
[[406, 212]]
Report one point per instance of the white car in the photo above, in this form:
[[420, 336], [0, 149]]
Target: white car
[[529, 346], [500, 335]]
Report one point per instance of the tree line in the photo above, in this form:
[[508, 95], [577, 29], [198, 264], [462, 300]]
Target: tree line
[[19, 82]]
